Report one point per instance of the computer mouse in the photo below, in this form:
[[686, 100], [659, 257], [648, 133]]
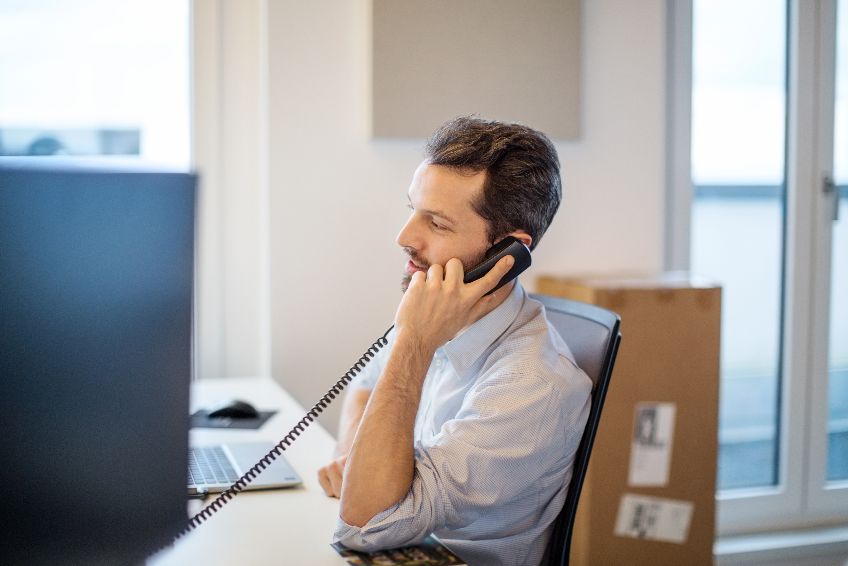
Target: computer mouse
[[232, 409]]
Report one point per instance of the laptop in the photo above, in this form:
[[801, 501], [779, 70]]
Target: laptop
[[212, 469]]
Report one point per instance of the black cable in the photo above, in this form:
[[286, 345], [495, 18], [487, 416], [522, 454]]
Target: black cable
[[287, 440]]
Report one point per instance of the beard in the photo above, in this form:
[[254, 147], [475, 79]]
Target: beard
[[405, 280], [420, 261]]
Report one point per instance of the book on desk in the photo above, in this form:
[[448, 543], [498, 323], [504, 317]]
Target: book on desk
[[429, 553]]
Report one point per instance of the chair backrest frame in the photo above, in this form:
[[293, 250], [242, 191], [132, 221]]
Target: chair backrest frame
[[559, 545]]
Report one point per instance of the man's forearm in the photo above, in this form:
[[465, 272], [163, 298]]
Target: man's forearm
[[352, 411], [381, 463]]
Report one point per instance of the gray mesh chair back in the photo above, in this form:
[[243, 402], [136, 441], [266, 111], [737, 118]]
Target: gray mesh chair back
[[593, 335]]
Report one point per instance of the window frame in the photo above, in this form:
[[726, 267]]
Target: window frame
[[801, 497]]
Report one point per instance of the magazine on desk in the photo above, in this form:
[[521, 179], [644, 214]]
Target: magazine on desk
[[429, 553]]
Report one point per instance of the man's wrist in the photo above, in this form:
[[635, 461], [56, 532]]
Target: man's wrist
[[407, 340]]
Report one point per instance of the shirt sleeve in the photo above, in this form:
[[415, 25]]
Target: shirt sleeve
[[506, 439]]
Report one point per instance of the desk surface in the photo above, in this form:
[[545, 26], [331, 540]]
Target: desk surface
[[289, 526]]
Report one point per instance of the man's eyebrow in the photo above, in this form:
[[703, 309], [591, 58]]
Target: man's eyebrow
[[433, 212], [437, 213]]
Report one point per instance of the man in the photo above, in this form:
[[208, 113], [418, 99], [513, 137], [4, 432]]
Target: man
[[466, 423]]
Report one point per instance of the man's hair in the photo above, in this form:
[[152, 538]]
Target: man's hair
[[522, 190]]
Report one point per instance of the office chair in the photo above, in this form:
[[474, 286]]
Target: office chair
[[593, 335]]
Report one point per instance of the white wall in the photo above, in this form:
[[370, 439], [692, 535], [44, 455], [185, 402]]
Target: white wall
[[337, 199]]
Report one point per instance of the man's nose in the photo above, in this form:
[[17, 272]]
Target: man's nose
[[408, 235]]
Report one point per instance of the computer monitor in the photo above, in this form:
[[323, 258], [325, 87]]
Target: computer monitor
[[96, 279]]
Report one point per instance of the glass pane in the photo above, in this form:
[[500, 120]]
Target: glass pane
[[837, 456], [94, 77], [738, 117]]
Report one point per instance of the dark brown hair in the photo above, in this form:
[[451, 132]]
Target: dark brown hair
[[522, 190]]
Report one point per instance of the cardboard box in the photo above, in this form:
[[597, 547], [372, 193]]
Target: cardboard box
[[668, 363]]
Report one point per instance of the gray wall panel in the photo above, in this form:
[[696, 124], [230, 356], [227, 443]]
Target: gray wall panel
[[503, 59]]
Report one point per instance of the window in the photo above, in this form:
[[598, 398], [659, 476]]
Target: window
[[738, 122], [93, 77], [769, 125], [837, 425]]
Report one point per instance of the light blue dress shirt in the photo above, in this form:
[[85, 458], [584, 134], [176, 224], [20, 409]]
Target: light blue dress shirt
[[502, 411]]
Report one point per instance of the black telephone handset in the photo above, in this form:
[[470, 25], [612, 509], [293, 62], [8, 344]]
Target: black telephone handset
[[507, 246]]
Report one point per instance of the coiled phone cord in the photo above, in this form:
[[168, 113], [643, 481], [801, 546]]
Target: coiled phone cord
[[287, 440]]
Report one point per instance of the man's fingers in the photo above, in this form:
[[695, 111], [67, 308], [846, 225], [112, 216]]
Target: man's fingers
[[418, 278], [334, 474], [330, 476], [453, 271], [324, 480], [435, 274], [488, 281]]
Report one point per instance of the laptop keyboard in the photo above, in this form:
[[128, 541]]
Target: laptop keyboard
[[209, 465]]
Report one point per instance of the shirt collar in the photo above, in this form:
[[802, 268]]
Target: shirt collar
[[464, 350]]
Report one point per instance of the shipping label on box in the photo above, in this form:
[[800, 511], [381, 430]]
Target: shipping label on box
[[650, 449], [654, 518]]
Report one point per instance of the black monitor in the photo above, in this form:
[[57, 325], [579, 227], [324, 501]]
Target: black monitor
[[96, 279]]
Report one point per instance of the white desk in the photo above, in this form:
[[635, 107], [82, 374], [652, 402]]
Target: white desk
[[289, 526]]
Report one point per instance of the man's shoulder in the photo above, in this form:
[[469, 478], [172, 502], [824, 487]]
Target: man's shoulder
[[532, 335], [531, 350]]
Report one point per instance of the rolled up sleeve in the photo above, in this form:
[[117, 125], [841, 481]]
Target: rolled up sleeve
[[496, 450], [405, 523]]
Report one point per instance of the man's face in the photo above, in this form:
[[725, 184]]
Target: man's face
[[443, 224]]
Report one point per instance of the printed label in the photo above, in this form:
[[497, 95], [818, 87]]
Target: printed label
[[650, 450], [653, 518]]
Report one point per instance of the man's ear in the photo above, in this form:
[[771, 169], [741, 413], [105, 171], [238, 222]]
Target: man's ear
[[525, 238]]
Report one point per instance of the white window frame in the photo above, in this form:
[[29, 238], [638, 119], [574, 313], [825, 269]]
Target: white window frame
[[831, 498], [801, 497], [230, 151]]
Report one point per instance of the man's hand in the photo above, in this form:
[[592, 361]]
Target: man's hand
[[330, 476], [437, 306]]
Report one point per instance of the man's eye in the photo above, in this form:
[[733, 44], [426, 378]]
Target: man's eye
[[437, 226]]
